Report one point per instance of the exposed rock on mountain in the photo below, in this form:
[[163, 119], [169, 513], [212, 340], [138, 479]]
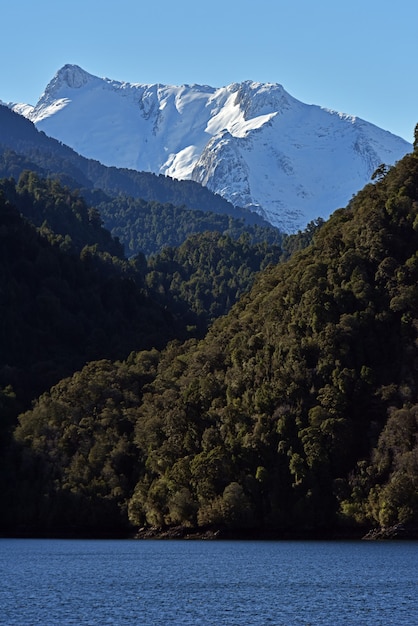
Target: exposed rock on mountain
[[252, 143]]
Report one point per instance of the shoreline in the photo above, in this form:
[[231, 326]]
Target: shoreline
[[398, 532], [176, 533]]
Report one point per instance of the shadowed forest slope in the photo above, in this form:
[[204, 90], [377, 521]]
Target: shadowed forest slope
[[297, 411]]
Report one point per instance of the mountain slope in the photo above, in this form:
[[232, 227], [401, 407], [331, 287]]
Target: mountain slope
[[60, 306], [146, 212], [54, 158], [68, 295], [297, 412], [252, 143]]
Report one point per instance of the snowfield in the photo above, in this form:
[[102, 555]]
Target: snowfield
[[252, 143]]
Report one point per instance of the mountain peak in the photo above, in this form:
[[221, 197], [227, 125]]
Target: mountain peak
[[260, 98], [71, 76], [74, 76], [252, 143]]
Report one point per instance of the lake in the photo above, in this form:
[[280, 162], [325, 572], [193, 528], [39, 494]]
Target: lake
[[126, 582]]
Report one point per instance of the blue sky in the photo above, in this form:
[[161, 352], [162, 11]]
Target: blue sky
[[357, 57]]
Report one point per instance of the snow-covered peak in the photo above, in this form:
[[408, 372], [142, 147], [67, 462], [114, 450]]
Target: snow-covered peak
[[71, 76], [252, 143], [255, 99], [59, 92]]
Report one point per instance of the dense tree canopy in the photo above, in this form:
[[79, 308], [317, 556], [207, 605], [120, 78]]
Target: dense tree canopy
[[149, 227], [201, 279], [61, 214], [144, 216], [297, 411], [62, 301], [68, 296]]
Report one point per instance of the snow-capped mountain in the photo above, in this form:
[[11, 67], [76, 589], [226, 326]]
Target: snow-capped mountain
[[252, 143]]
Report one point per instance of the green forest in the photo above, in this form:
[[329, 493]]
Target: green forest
[[142, 226], [227, 383]]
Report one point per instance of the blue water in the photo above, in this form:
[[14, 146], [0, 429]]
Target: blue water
[[62, 582]]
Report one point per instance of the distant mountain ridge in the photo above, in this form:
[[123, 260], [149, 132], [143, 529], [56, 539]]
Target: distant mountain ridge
[[145, 211], [252, 143], [20, 135]]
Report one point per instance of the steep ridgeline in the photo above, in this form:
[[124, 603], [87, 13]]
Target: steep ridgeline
[[252, 143], [297, 412], [146, 212], [50, 157]]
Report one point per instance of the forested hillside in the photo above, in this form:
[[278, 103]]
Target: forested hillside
[[201, 280], [70, 296], [142, 226], [148, 227], [66, 299], [297, 412]]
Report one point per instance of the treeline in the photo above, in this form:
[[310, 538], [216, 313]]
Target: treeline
[[297, 412]]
